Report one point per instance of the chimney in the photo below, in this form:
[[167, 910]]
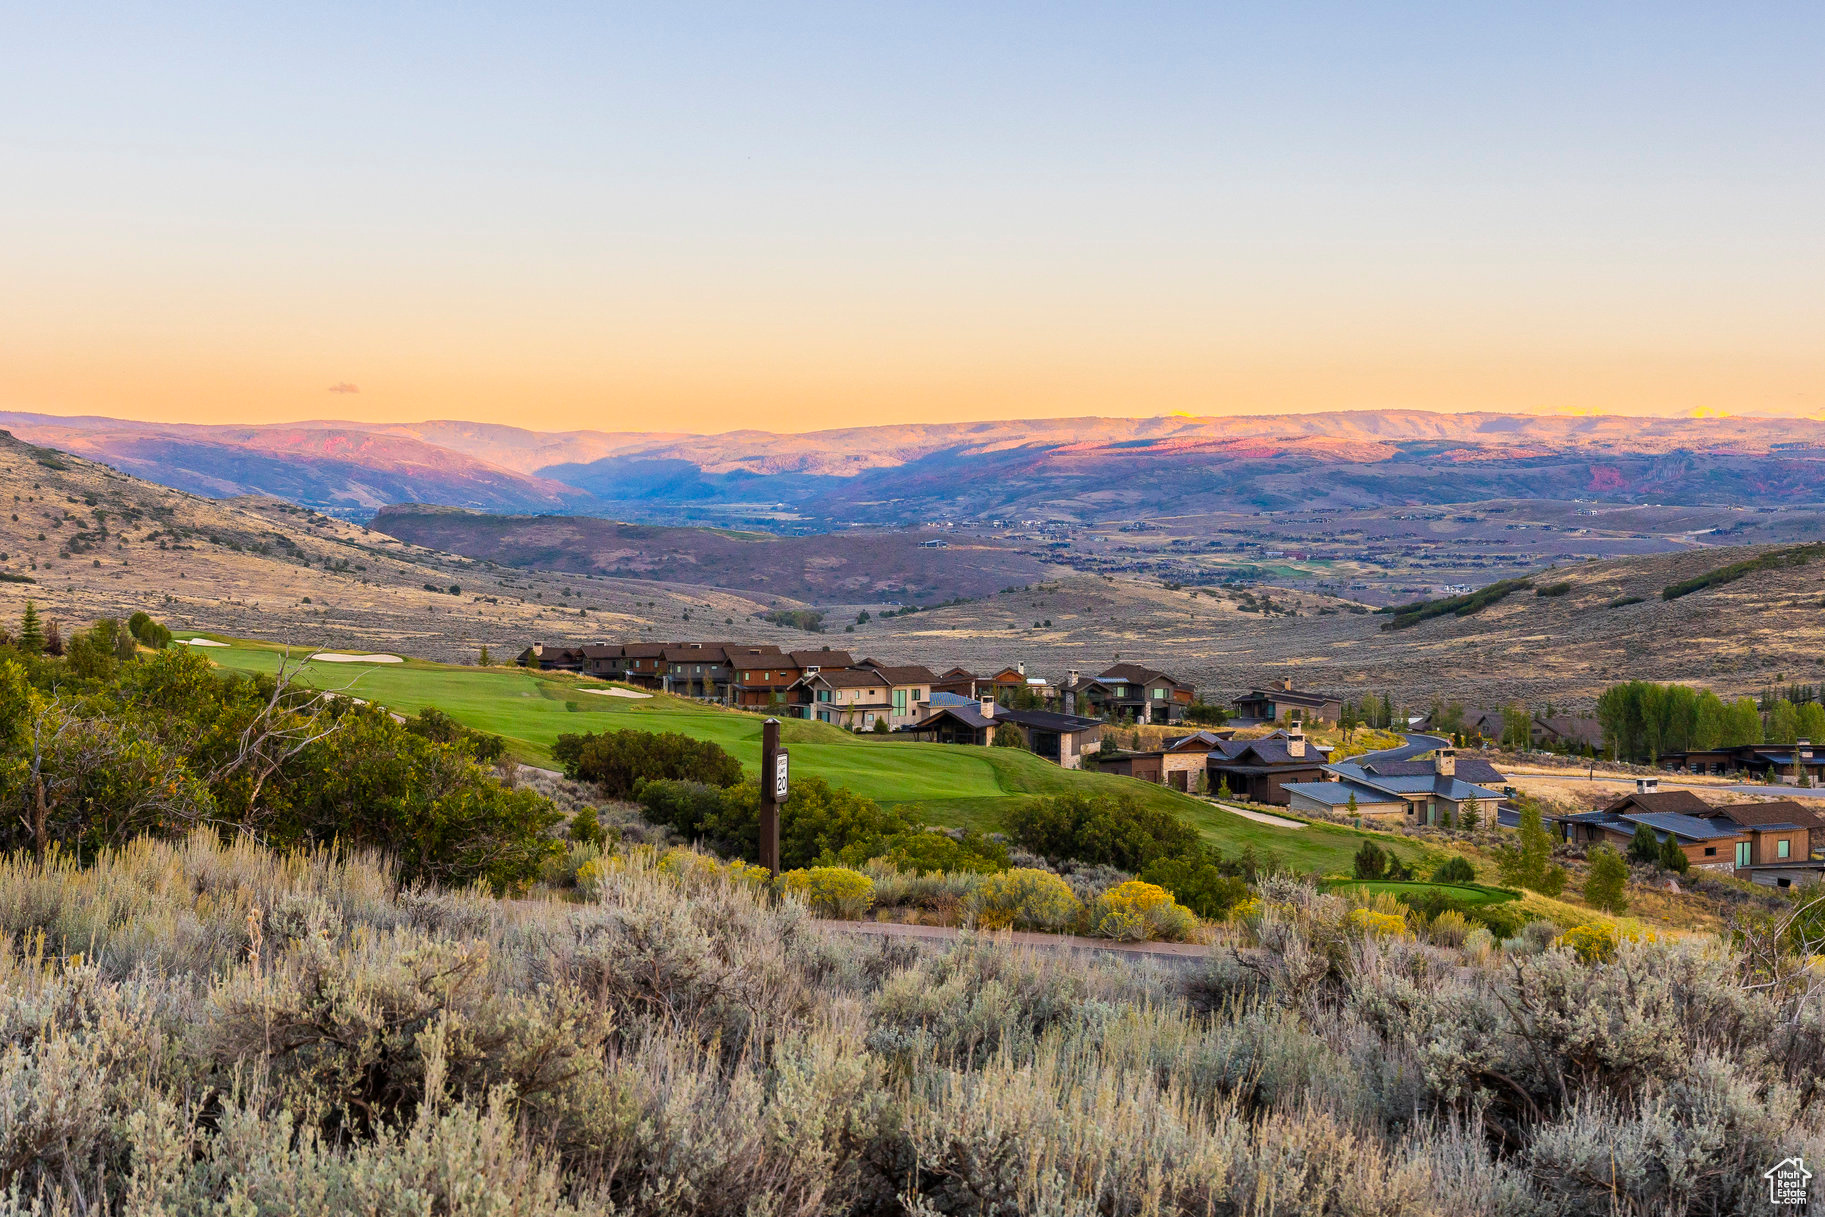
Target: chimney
[[1021, 667], [1447, 762], [1647, 785], [1295, 742], [1071, 677], [1286, 684], [538, 648], [988, 707]]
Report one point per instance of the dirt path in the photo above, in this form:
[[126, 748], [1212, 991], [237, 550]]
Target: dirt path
[[1175, 954], [1260, 817]]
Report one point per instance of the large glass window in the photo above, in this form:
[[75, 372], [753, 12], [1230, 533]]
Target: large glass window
[[1781, 847], [1742, 853]]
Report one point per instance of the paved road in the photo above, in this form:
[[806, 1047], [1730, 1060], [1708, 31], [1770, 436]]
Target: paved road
[[1173, 954], [1415, 745]]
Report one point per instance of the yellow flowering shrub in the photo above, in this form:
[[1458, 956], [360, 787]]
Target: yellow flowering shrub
[[831, 891], [1597, 941], [1136, 912], [1378, 924], [690, 867], [589, 877], [1027, 899]]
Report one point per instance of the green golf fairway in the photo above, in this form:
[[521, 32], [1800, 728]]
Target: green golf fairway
[[955, 785]]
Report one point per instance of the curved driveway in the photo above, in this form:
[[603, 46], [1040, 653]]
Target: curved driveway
[[1415, 745]]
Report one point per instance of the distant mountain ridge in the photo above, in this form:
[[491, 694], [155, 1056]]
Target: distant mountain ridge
[[1084, 469]]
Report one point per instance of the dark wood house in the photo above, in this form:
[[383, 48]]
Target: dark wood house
[[1259, 770]]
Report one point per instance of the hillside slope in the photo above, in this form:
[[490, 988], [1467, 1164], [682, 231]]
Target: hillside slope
[[841, 568], [94, 541]]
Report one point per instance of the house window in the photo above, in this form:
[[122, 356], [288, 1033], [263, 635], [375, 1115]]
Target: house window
[[1742, 853], [1710, 851], [899, 701], [1159, 695], [1781, 847]]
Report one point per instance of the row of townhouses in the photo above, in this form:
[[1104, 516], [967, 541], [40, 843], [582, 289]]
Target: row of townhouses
[[1061, 721]]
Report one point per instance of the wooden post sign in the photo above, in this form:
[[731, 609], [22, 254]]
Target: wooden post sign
[[773, 768]]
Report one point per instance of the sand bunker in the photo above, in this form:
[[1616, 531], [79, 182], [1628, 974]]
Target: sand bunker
[[332, 657], [615, 693], [201, 642]]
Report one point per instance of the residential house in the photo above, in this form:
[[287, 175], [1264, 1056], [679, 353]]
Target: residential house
[[1011, 685], [1283, 703], [1131, 690], [760, 677], [1707, 844], [551, 659], [1785, 763], [697, 669], [958, 681], [857, 698], [1177, 764], [1434, 791], [1064, 739], [1259, 770], [1568, 733], [1782, 811], [644, 663], [604, 661], [909, 690], [1143, 765], [1769, 843]]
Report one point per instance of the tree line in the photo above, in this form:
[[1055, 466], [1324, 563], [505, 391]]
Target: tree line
[[1643, 721]]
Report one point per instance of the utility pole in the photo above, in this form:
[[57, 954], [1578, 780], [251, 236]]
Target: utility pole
[[773, 792]]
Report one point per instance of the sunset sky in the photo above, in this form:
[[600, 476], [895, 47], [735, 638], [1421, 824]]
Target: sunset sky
[[681, 217]]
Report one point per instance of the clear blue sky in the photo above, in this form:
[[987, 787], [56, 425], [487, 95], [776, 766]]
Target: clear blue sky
[[797, 216]]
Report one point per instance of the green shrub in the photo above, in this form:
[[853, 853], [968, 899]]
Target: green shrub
[[617, 761], [1199, 884], [1009, 737], [926, 851], [434, 724], [1114, 830], [146, 630], [1025, 899], [831, 891], [1455, 869], [586, 828], [1606, 882]]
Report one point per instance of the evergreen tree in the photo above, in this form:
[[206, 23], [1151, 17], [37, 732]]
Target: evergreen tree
[[1529, 862], [31, 631], [1370, 862], [1672, 857], [1470, 815], [1645, 847], [484, 659], [1606, 886]]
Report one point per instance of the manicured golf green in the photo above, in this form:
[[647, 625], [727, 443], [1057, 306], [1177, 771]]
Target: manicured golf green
[[1468, 893], [952, 784]]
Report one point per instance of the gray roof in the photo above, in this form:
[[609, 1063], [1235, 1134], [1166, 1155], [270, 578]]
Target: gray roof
[[1337, 794], [1690, 827], [1452, 788]]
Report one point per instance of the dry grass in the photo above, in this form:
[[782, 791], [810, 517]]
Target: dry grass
[[198, 1027]]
